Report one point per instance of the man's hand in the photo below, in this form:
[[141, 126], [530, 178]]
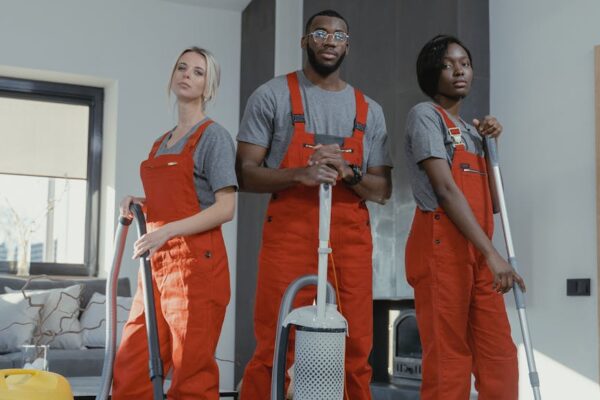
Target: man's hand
[[316, 174], [489, 126], [331, 155]]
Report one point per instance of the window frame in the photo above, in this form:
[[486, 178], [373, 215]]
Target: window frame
[[93, 97]]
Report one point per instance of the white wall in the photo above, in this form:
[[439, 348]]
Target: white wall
[[128, 47], [542, 89], [288, 32]]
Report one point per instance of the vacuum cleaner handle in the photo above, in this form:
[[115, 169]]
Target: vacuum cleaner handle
[[324, 211], [155, 363], [156, 373], [492, 153], [324, 249]]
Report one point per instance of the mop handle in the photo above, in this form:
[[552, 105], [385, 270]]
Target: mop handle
[[493, 158], [324, 249], [492, 153]]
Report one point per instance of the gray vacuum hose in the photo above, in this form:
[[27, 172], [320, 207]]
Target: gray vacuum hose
[[155, 364], [111, 308]]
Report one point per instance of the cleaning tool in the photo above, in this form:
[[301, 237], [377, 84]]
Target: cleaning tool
[[320, 329], [155, 365], [32, 384], [519, 296]]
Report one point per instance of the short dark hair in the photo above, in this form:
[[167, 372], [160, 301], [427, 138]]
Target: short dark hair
[[325, 13], [429, 62]]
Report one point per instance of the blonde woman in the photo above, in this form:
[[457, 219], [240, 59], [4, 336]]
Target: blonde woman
[[189, 183]]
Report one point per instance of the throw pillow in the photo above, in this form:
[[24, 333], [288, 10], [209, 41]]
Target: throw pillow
[[93, 319], [60, 327], [17, 320]]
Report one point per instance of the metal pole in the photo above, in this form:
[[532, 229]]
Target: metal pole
[[518, 293], [324, 249]]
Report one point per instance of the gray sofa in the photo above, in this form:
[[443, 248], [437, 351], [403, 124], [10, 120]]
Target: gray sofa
[[69, 363]]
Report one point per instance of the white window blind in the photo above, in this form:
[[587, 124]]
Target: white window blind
[[42, 138]]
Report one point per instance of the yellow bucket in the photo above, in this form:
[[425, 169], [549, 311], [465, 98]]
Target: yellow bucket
[[31, 384]]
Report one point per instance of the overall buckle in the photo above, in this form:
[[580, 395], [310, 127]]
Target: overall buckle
[[456, 136]]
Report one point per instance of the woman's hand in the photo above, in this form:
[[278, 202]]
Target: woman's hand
[[126, 202], [151, 242], [489, 126], [504, 274]]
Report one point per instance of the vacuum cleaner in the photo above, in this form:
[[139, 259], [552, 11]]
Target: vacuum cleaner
[[155, 365], [498, 193], [320, 329]]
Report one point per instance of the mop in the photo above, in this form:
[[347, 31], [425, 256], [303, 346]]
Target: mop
[[518, 293]]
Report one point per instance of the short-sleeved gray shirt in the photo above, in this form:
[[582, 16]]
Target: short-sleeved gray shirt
[[267, 119], [214, 160], [426, 137]]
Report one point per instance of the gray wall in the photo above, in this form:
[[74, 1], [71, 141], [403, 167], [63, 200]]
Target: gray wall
[[386, 36], [258, 63], [385, 39]]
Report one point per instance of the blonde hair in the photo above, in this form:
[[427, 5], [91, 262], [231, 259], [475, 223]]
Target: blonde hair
[[213, 73]]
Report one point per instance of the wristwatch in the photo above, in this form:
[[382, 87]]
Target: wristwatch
[[356, 177]]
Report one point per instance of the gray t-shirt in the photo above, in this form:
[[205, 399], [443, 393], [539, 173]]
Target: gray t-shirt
[[214, 161], [267, 119], [426, 137]]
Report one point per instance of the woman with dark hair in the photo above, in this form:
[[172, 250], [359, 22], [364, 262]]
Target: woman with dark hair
[[190, 183], [457, 274]]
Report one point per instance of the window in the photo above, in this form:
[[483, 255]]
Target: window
[[50, 160]]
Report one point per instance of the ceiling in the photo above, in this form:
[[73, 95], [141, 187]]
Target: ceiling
[[234, 5]]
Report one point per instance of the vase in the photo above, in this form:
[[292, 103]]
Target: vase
[[35, 356], [23, 258]]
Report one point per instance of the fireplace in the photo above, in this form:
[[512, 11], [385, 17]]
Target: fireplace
[[396, 355], [404, 358]]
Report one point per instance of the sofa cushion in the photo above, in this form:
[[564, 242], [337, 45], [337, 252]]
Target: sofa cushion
[[17, 320], [91, 285], [93, 319], [5, 362], [60, 327]]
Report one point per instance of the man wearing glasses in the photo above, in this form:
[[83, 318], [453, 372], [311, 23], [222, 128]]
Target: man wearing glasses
[[298, 131]]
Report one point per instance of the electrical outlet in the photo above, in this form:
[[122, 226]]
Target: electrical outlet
[[579, 287]]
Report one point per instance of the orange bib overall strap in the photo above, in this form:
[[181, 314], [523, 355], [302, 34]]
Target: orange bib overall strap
[[289, 250], [462, 321], [191, 288]]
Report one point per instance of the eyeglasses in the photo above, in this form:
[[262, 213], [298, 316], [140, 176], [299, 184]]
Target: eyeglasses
[[321, 36]]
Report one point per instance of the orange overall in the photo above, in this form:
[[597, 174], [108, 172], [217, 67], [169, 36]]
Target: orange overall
[[190, 278], [289, 250], [462, 320]]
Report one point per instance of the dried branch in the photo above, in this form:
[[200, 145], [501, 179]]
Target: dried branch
[[16, 323], [25, 227]]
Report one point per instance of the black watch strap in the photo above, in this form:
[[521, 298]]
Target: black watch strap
[[356, 177]]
